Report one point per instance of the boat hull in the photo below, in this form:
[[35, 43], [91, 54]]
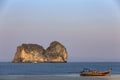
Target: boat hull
[[106, 73]]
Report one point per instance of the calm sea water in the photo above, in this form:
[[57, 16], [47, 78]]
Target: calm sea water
[[70, 68]]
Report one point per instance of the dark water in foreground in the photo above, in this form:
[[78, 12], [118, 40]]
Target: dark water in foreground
[[70, 68]]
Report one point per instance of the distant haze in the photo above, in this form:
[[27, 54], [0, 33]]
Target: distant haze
[[89, 29]]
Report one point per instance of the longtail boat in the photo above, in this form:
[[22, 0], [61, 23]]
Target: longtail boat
[[95, 73]]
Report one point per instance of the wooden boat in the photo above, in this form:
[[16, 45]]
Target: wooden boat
[[95, 73]]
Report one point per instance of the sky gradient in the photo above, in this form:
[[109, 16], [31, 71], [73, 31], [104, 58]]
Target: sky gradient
[[89, 29]]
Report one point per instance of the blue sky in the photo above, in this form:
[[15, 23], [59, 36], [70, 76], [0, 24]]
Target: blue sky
[[89, 29]]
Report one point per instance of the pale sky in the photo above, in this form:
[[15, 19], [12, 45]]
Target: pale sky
[[89, 29]]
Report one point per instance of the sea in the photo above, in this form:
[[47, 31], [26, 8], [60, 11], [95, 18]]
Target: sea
[[56, 71]]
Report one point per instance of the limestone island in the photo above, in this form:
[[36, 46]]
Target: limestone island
[[34, 53]]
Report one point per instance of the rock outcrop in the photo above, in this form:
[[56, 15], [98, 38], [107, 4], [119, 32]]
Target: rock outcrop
[[56, 52], [34, 53]]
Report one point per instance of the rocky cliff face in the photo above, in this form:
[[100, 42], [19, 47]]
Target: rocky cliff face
[[56, 52]]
